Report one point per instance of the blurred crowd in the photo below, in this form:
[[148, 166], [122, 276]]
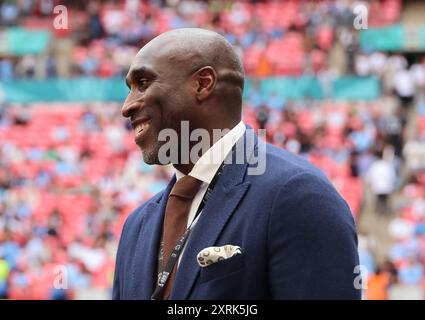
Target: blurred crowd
[[273, 38], [70, 174], [402, 274], [68, 179]]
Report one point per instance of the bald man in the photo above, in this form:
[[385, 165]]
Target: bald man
[[222, 229]]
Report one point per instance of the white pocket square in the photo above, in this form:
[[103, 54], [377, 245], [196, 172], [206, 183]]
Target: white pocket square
[[211, 255]]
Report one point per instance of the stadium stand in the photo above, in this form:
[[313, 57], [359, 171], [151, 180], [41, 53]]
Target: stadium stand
[[70, 172]]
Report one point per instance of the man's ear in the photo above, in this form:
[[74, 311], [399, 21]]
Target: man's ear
[[206, 79]]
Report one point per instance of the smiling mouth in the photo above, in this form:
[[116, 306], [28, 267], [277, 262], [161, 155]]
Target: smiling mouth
[[140, 127]]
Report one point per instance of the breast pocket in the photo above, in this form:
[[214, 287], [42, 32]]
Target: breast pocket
[[222, 268]]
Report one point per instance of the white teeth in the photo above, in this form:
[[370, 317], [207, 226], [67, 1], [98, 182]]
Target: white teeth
[[139, 128]]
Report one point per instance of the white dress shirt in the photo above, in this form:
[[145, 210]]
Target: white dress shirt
[[207, 165]]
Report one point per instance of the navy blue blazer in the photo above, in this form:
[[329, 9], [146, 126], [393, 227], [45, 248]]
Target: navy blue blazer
[[297, 236]]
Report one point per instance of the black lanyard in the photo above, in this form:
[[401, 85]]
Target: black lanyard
[[165, 274]]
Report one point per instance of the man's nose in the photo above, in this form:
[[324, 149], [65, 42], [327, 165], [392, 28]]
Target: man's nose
[[129, 106]]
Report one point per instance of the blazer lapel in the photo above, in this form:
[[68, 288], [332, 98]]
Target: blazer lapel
[[145, 263], [225, 197]]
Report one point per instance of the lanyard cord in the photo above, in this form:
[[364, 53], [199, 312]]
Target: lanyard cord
[[158, 293]]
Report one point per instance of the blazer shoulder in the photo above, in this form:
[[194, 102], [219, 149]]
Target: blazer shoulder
[[306, 195], [282, 166], [294, 179]]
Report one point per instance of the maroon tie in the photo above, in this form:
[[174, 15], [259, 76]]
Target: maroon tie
[[175, 223]]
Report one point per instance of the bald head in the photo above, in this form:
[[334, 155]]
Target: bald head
[[189, 49]]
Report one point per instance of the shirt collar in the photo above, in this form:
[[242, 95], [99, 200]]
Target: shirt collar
[[208, 164]]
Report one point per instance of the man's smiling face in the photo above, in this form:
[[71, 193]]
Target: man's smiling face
[[160, 98], [186, 74]]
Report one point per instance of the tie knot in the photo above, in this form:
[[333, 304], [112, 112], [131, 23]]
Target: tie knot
[[186, 187]]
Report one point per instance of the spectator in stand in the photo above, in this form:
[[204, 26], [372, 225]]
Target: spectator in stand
[[9, 13], [381, 178], [378, 285], [412, 273], [404, 85], [61, 162], [6, 69]]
